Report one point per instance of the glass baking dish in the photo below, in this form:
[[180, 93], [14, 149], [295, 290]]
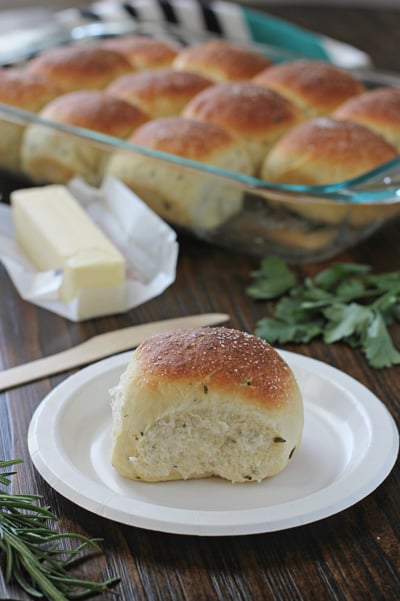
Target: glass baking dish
[[295, 222]]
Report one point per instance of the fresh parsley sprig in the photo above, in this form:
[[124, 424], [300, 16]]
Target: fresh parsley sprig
[[33, 554], [345, 302]]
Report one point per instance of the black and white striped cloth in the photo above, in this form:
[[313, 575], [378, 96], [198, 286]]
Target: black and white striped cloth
[[225, 19], [190, 20], [222, 18]]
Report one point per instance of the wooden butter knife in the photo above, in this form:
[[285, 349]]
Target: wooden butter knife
[[100, 346]]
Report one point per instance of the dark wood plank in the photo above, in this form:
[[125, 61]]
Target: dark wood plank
[[351, 556]]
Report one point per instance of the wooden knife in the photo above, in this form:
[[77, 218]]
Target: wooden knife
[[100, 346]]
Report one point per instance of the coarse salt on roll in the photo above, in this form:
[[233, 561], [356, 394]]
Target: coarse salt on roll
[[221, 60], [143, 52], [256, 115], [315, 86], [377, 109], [159, 92], [80, 67]]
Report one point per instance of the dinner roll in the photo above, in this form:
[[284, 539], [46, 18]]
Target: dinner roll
[[258, 116], [160, 92], [80, 67], [184, 196], [143, 52], [53, 156], [221, 60], [205, 402], [324, 151], [26, 91], [315, 86], [378, 109]]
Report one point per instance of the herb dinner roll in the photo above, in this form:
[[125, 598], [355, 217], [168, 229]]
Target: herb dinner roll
[[25, 90], [324, 151], [28, 92], [160, 92], [378, 109], [186, 197], [205, 402], [256, 115], [80, 67], [221, 60], [315, 86], [143, 52], [52, 156]]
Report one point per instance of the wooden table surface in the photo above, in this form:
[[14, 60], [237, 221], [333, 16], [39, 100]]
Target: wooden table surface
[[353, 555]]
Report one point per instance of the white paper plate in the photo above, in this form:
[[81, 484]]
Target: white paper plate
[[349, 446]]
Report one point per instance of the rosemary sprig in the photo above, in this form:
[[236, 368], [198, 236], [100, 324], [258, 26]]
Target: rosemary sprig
[[33, 553]]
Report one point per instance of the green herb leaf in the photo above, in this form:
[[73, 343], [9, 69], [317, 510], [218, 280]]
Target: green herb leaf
[[34, 556], [330, 278], [283, 332], [344, 321], [273, 279], [378, 346], [345, 302]]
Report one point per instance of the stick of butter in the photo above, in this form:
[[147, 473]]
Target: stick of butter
[[56, 233]]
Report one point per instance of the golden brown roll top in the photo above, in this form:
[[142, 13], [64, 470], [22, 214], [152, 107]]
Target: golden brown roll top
[[181, 195], [143, 52], [256, 115], [235, 362], [205, 401], [26, 91], [378, 109], [97, 111], [160, 92], [187, 138], [221, 60], [315, 86], [323, 151], [80, 67], [50, 155]]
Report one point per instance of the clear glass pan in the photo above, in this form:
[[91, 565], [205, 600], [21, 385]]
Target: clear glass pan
[[298, 223]]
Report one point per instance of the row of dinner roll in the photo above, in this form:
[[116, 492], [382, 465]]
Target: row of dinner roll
[[350, 131], [144, 73], [71, 68], [147, 82], [230, 125], [302, 121], [93, 65]]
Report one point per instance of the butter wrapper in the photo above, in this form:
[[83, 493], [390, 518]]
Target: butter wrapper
[[148, 244]]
